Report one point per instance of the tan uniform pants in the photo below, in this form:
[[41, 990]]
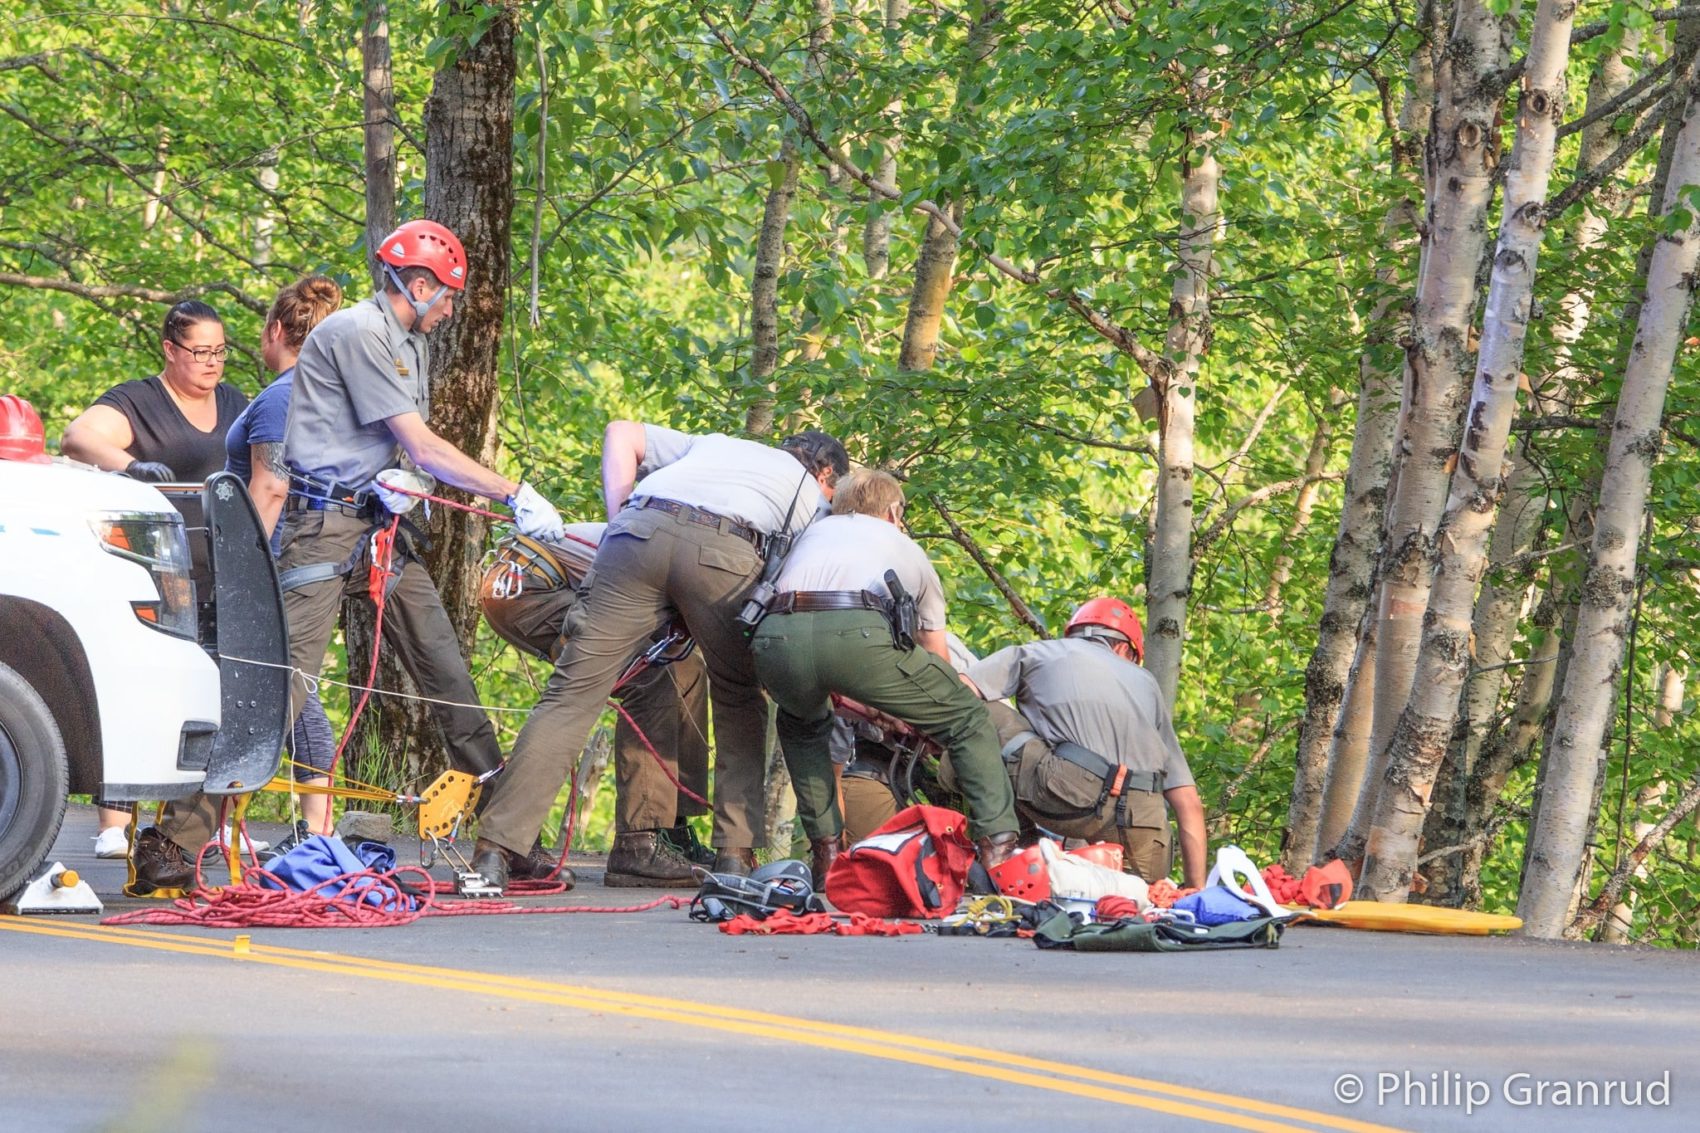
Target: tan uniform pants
[[650, 563], [668, 703], [1047, 785]]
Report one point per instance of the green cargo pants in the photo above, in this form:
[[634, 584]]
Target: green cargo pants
[[650, 564], [804, 658]]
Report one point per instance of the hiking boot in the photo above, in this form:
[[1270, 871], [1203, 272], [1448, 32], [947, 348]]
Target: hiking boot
[[538, 865], [161, 863], [822, 853], [647, 859], [995, 849], [739, 861], [684, 839], [490, 861]]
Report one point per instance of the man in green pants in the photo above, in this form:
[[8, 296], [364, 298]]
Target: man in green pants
[[826, 632]]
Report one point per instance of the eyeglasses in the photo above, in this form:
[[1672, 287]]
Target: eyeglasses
[[202, 354]]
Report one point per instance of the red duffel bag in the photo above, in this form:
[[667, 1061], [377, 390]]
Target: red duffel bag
[[916, 865]]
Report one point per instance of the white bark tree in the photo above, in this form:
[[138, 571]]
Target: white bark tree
[[1579, 738], [1351, 566], [1460, 159], [1170, 580], [1420, 738], [1456, 817]]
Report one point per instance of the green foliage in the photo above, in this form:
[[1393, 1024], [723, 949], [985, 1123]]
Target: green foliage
[[133, 152]]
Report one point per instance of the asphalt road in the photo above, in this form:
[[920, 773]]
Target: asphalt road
[[649, 1021]]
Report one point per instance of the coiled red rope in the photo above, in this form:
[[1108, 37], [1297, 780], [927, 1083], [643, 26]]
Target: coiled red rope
[[345, 902]]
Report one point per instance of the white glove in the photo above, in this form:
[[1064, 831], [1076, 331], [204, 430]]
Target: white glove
[[398, 503], [1077, 877], [535, 516]]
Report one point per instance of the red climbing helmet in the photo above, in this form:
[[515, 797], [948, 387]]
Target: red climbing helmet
[[1111, 618], [427, 244], [21, 435]]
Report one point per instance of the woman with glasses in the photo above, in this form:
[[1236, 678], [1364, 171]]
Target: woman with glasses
[[169, 427]]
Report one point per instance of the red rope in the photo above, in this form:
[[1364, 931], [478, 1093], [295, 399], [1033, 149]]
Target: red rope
[[251, 905], [458, 506]]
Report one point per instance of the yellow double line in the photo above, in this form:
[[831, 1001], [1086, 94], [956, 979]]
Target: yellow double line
[[980, 1062]]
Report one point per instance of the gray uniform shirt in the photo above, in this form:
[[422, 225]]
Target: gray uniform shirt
[[358, 368], [1074, 689], [757, 485], [853, 552]]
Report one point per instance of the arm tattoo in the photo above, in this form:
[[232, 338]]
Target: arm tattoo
[[272, 456]]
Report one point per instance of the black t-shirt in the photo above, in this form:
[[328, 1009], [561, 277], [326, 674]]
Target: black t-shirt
[[164, 434]]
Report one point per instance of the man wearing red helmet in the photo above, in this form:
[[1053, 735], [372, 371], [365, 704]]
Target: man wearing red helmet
[[1093, 751], [361, 398]]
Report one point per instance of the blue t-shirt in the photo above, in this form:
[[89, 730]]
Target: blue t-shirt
[[262, 423]]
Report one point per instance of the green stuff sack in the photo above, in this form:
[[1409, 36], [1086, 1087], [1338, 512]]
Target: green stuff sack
[[1062, 931]]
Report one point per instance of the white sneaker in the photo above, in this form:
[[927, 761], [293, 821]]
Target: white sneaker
[[113, 842], [254, 845]]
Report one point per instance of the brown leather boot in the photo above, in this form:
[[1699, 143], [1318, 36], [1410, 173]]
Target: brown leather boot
[[161, 863], [739, 860], [822, 853], [646, 859], [995, 849]]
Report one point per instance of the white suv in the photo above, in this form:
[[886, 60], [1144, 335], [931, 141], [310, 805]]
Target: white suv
[[105, 685]]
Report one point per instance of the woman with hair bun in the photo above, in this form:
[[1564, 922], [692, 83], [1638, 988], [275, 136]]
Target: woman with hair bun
[[254, 451], [254, 445]]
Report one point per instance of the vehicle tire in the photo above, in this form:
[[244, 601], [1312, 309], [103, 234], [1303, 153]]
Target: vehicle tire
[[34, 780]]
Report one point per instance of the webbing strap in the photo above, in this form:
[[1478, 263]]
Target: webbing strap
[[296, 577], [1016, 743]]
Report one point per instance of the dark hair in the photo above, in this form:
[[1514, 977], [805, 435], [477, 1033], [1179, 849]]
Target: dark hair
[[299, 307], [818, 452], [407, 276], [186, 314]]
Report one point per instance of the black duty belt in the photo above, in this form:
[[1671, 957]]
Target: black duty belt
[[814, 601], [702, 517], [308, 496]]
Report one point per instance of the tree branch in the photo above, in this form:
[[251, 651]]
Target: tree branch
[[1590, 917], [1671, 104], [1630, 94], [130, 291], [1142, 448], [1251, 499], [1154, 365], [966, 542]]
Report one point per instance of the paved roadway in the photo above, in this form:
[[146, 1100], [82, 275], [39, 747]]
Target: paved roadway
[[649, 1021]]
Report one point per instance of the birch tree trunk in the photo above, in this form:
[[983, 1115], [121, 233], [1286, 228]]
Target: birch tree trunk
[[764, 289], [1351, 566], [1425, 726], [1170, 580], [1672, 684], [876, 235], [1579, 739], [1460, 156], [1456, 818]]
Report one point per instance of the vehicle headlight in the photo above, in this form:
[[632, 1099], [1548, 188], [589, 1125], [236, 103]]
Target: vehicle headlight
[[158, 543]]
